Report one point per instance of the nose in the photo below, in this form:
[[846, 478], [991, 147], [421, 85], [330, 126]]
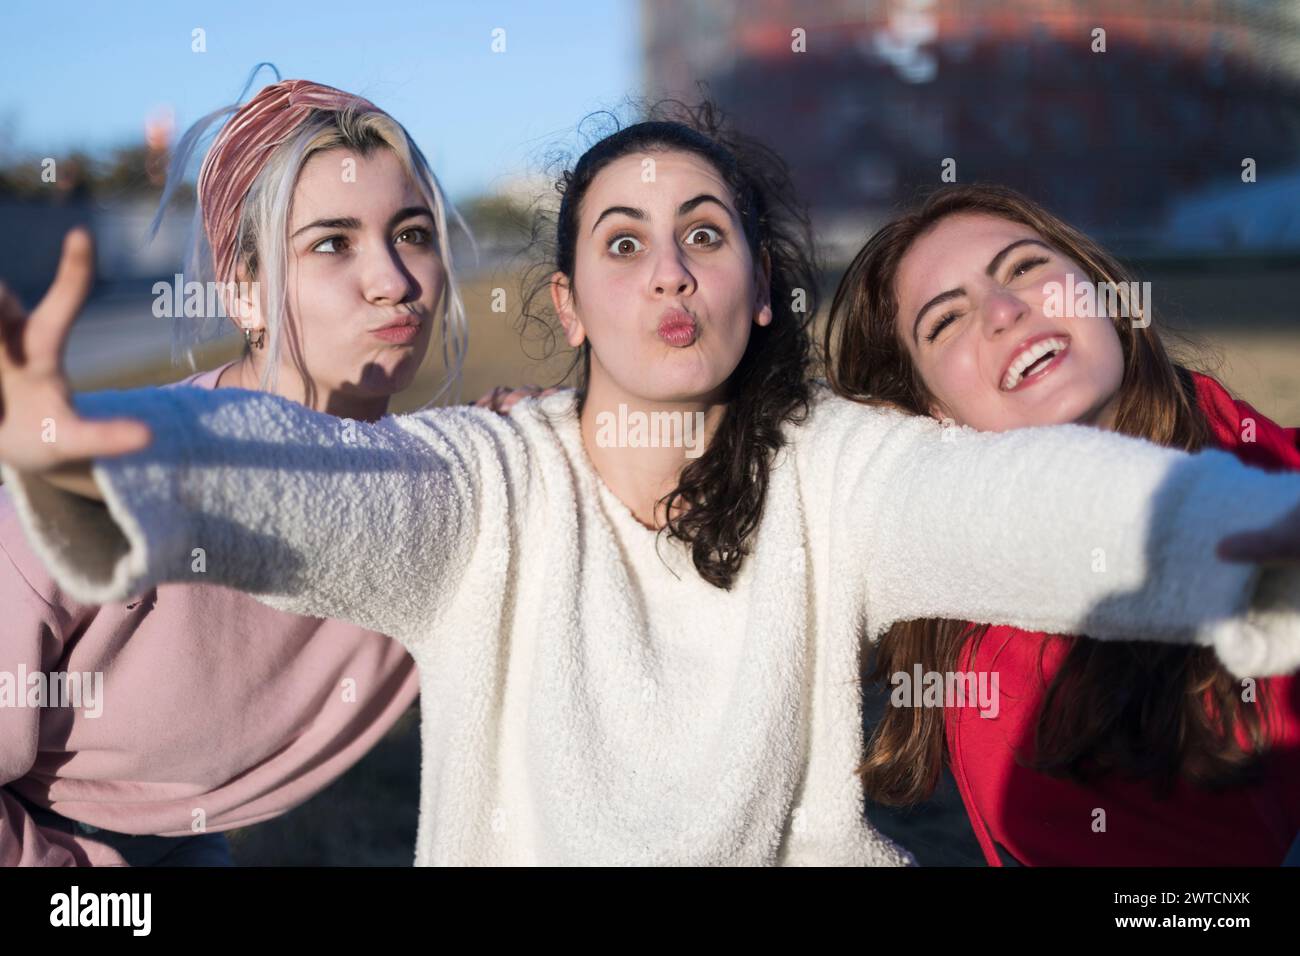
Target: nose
[[670, 275], [384, 277], [1002, 310]]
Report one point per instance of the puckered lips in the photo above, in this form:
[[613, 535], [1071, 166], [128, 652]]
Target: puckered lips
[[400, 330], [677, 327]]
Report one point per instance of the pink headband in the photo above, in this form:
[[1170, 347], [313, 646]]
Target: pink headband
[[242, 149]]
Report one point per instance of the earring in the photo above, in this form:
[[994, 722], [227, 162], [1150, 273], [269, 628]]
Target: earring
[[250, 342]]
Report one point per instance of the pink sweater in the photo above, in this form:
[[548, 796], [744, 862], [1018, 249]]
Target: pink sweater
[[214, 709]]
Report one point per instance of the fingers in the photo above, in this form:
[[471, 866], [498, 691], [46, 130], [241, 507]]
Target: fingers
[[82, 440], [503, 398], [62, 441], [53, 317], [1259, 547], [12, 318], [513, 396], [489, 400]]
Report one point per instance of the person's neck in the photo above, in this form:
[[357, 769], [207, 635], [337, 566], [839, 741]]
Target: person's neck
[[247, 373], [638, 475]]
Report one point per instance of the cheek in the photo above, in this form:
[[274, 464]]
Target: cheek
[[1115, 351], [1103, 351], [727, 293], [320, 307], [953, 376], [311, 280], [603, 292], [426, 268]]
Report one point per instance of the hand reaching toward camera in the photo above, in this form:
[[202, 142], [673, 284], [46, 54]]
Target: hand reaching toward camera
[[40, 431], [1276, 544]]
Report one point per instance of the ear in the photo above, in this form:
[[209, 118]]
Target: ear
[[763, 299], [242, 302], [939, 412], [562, 299]]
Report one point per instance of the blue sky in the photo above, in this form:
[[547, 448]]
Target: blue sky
[[86, 74]]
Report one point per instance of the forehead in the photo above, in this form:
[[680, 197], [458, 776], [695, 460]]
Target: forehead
[[653, 180], [378, 180], [946, 253]]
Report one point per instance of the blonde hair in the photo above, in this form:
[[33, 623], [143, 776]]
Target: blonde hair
[[263, 230]]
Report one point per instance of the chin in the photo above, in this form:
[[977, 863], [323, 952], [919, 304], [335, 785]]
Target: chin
[[1068, 410], [702, 379], [692, 391]]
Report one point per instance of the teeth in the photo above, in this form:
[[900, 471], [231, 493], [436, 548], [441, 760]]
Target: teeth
[[1028, 357]]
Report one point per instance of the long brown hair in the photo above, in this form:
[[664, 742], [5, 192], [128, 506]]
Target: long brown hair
[[1154, 711]]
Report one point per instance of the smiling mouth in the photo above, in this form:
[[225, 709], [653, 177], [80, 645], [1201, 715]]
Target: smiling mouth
[[1034, 362]]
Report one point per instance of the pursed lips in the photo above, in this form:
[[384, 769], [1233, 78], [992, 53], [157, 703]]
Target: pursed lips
[[677, 327]]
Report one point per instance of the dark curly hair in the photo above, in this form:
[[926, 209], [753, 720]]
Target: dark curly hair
[[718, 501]]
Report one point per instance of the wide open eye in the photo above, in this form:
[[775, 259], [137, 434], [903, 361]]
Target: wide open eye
[[625, 245], [711, 236]]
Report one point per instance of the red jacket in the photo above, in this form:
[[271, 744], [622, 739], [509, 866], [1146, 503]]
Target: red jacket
[[1043, 821]]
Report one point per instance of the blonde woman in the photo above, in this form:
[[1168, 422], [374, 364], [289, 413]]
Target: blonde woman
[[214, 711], [630, 653]]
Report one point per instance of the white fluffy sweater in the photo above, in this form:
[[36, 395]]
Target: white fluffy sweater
[[584, 701]]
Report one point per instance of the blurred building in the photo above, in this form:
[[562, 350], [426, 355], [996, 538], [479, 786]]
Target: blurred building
[[1141, 144]]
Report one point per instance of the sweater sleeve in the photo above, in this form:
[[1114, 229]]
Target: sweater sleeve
[[1066, 530], [308, 513]]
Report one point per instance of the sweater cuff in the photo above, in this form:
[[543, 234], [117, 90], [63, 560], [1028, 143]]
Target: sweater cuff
[[1240, 608], [1266, 639], [109, 552]]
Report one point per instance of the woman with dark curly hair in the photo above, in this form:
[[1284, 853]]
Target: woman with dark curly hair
[[594, 691]]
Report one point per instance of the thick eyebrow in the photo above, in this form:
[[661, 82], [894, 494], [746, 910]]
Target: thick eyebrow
[[682, 210], [616, 211], [690, 204], [348, 222], [989, 270], [351, 222], [408, 213], [997, 260]]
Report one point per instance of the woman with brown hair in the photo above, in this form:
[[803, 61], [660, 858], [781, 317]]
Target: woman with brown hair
[[629, 655], [981, 309]]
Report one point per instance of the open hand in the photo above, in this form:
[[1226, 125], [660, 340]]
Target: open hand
[[40, 431], [1276, 544]]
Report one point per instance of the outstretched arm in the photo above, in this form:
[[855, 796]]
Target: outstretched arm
[[1070, 530], [372, 523]]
